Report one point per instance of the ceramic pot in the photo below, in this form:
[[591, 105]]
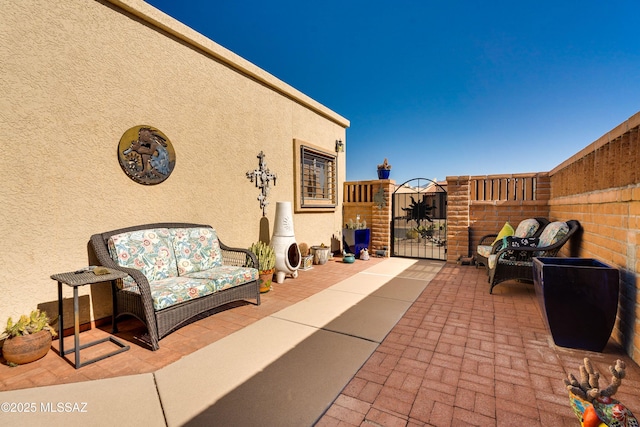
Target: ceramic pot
[[578, 299], [26, 348], [320, 254], [384, 173]]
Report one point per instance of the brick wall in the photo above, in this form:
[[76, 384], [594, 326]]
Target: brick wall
[[480, 205], [371, 201], [457, 217], [600, 187]]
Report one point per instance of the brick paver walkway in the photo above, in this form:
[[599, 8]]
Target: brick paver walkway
[[463, 357]]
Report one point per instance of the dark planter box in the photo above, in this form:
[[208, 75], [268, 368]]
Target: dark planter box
[[578, 298]]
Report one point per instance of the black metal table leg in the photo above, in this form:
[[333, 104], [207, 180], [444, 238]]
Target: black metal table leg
[[60, 320], [76, 280]]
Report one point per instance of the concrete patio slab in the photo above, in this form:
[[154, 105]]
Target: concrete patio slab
[[375, 315], [370, 319], [296, 389], [288, 368], [194, 383], [391, 266], [402, 289], [321, 308], [128, 400], [424, 269], [363, 283]]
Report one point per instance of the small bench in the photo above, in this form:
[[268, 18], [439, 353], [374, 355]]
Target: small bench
[[176, 271]]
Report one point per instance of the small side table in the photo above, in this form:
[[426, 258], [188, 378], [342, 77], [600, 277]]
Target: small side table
[[76, 280]]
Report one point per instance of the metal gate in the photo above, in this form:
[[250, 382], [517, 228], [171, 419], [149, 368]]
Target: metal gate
[[419, 225]]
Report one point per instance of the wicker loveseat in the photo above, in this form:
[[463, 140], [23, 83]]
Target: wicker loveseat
[[515, 260], [531, 227], [176, 271]]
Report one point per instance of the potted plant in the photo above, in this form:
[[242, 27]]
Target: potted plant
[[307, 259], [320, 254], [266, 264], [28, 339], [384, 170]]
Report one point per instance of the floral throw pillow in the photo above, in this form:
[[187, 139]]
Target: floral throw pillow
[[527, 228], [146, 250], [196, 249], [553, 233]]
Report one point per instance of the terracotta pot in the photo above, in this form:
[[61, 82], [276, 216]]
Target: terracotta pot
[[266, 277], [27, 348]]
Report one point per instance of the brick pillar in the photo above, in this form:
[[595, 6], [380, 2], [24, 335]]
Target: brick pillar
[[381, 216], [457, 217]]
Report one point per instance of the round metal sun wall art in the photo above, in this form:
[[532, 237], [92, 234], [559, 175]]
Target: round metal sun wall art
[[146, 155]]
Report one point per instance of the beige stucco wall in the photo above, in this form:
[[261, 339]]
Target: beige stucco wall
[[75, 75]]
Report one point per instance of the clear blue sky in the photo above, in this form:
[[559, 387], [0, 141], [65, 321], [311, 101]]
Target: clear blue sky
[[442, 88]]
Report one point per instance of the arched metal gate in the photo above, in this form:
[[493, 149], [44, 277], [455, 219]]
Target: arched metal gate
[[419, 225]]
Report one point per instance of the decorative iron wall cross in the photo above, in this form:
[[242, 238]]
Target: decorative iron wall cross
[[262, 177]]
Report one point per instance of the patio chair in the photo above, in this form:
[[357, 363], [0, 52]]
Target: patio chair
[[490, 244], [515, 260]]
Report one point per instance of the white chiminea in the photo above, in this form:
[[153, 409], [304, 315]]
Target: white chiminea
[[284, 244]]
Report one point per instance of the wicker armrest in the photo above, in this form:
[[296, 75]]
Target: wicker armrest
[[238, 257], [487, 240], [528, 249], [104, 258]]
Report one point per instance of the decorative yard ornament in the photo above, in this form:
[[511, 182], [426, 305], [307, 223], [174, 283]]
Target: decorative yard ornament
[[146, 155], [593, 406], [262, 177], [384, 170], [378, 199], [418, 211]]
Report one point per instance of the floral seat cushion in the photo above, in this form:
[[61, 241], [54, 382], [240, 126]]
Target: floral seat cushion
[[196, 249], [180, 264], [174, 290], [226, 276], [484, 250], [149, 251]]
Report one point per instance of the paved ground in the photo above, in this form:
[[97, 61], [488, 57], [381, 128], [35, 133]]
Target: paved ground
[[187, 340], [463, 357], [458, 356]]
